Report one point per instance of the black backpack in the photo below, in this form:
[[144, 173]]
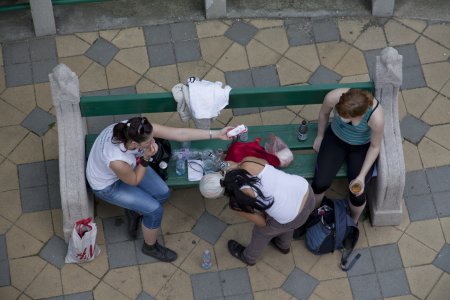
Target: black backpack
[[163, 154], [331, 227]]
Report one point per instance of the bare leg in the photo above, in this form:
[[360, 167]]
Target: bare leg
[[319, 198], [149, 235], [356, 211]]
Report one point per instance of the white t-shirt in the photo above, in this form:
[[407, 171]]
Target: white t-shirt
[[103, 152]]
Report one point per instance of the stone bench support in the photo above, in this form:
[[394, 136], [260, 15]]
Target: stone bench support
[[43, 18]]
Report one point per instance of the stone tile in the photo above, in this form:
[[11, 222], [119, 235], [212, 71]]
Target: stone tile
[[102, 52], [299, 284], [393, 283], [442, 260], [213, 48], [16, 53], [235, 58], [70, 45], [439, 33], [21, 154], [176, 221], [35, 199], [364, 265], [422, 279], [441, 289], [420, 207], [239, 79], [371, 38], [430, 51], [4, 273], [334, 289], [9, 115], [264, 277], [413, 129], [80, 296], [206, 291], [129, 37], [75, 280], [397, 34], [365, 287], [43, 96], [436, 74], [433, 154], [144, 296], [157, 34], [21, 244], [352, 63], [260, 55], [235, 282], [89, 37], [209, 228], [43, 49], [93, 79], [306, 56], [47, 284], [24, 270], [415, 253], [120, 76], [211, 28], [327, 267], [39, 121], [274, 38], [183, 31], [381, 235], [324, 75], [32, 175], [278, 117], [178, 287], [3, 249], [418, 100], [410, 55], [99, 266], [413, 78], [240, 297], [428, 232], [325, 30], [54, 251], [187, 50], [121, 254], [303, 258], [23, 98], [38, 224], [331, 53], [125, 280], [18, 74], [187, 69], [241, 32], [300, 34], [386, 257], [189, 249], [134, 58], [417, 25], [161, 54], [164, 270], [436, 112], [97, 124], [273, 294], [146, 86], [265, 77], [442, 204], [105, 291], [438, 178], [115, 229], [8, 176], [350, 29]]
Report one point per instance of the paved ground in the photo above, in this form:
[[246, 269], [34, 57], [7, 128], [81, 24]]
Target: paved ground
[[409, 261]]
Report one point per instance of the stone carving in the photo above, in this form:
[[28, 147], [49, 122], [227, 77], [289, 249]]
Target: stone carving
[[65, 85]]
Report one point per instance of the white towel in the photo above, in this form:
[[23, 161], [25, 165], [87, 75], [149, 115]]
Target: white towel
[[207, 98]]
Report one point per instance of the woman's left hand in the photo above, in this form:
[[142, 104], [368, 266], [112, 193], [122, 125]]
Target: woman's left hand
[[151, 150], [359, 181], [223, 133]]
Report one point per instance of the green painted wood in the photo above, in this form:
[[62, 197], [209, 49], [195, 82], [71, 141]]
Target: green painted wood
[[64, 2], [24, 6], [239, 98]]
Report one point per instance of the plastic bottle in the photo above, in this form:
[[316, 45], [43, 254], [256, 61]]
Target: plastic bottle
[[243, 137], [302, 133], [206, 260], [180, 166]]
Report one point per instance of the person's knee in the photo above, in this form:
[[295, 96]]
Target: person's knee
[[164, 195], [358, 201], [153, 219], [319, 186]]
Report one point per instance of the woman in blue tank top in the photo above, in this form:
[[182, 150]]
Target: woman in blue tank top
[[354, 136]]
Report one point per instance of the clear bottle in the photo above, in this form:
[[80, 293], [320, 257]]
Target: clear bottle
[[206, 260], [243, 137], [180, 166], [302, 133]]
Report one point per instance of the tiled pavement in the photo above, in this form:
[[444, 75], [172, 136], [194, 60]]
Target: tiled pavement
[[409, 261]]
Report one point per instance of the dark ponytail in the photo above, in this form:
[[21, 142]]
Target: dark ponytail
[[136, 129], [233, 181]]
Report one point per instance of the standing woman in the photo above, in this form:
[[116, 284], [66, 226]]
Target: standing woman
[[275, 201], [116, 177], [354, 136]]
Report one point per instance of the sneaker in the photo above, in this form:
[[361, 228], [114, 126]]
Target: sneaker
[[274, 243], [133, 219], [237, 250], [159, 252]]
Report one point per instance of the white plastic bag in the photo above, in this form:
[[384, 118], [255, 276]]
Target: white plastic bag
[[82, 245], [274, 145]]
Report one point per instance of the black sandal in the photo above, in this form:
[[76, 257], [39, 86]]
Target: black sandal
[[237, 250]]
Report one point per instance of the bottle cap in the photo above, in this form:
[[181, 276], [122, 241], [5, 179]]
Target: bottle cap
[[163, 165]]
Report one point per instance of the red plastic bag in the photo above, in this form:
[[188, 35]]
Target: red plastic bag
[[237, 151], [276, 146]]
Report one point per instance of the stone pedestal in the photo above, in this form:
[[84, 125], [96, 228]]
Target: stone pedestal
[[215, 9], [383, 8], [43, 18]]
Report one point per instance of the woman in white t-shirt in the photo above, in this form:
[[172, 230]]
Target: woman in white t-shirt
[[116, 176]]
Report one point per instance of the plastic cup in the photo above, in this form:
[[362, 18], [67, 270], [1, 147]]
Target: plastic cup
[[355, 187]]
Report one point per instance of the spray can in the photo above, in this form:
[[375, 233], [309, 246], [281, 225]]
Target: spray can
[[302, 132]]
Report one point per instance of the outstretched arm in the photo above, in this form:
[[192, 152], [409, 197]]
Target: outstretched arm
[[188, 134]]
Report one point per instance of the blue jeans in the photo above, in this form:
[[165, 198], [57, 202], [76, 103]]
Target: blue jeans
[[147, 197]]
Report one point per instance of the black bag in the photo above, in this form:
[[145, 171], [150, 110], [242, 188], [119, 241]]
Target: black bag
[[162, 155]]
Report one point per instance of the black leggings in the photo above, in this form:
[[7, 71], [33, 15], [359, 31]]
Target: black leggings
[[332, 154]]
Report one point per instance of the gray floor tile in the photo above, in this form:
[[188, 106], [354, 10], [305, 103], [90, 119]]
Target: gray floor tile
[[239, 79], [115, 229], [442, 260], [95, 125], [241, 32], [393, 283], [235, 282], [5, 278], [371, 59], [206, 286], [54, 251], [161, 55], [123, 90], [325, 31], [413, 129], [299, 34], [416, 183], [420, 207], [442, 203], [144, 296], [183, 31], [32, 175], [43, 49], [141, 258], [102, 51], [240, 297], [121, 254], [35, 199], [386, 257], [52, 169], [299, 284], [96, 93], [187, 51], [80, 296], [55, 298], [54, 195], [365, 287], [209, 228], [413, 78], [39, 121], [245, 111], [120, 118], [41, 69], [16, 53], [3, 249], [324, 75], [409, 53], [439, 178], [364, 265], [157, 34], [265, 77], [18, 74]]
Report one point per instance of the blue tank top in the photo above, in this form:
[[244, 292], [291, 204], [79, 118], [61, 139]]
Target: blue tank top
[[351, 134]]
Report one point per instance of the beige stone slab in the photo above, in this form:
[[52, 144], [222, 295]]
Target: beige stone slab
[[43, 96], [47, 284], [264, 277], [176, 221], [381, 235], [422, 279], [8, 176], [414, 253], [225, 260], [93, 79], [436, 74], [89, 37], [353, 63], [146, 86], [405, 297], [295, 108], [50, 145], [440, 134], [118, 75], [183, 244], [277, 117], [22, 154], [2, 79], [259, 55], [24, 270], [442, 289], [283, 263], [192, 68], [9, 115], [228, 22], [57, 218], [100, 231], [178, 287], [75, 279], [310, 112], [418, 100], [214, 47], [430, 51], [160, 118], [189, 201], [278, 294], [9, 292], [129, 38], [355, 78], [334, 289], [398, 34], [21, 97], [291, 73], [99, 266], [412, 158], [446, 89], [175, 121], [274, 38], [439, 33], [363, 242], [154, 276], [445, 223], [21, 244], [37, 224], [165, 76], [306, 56], [402, 112], [438, 112], [331, 53], [371, 38], [225, 116], [229, 216], [214, 75], [235, 58], [78, 64], [134, 58], [241, 232], [70, 45], [266, 23], [104, 291], [432, 154], [303, 258], [327, 267], [216, 206], [126, 280], [211, 28], [249, 120], [351, 29], [5, 225], [428, 232], [109, 35], [24, 297], [417, 25], [1, 56]]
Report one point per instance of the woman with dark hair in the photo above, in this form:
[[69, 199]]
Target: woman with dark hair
[[116, 177], [275, 201], [354, 136]]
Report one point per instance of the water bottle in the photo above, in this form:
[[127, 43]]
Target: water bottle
[[302, 133], [180, 167], [243, 137], [219, 164], [206, 260]]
